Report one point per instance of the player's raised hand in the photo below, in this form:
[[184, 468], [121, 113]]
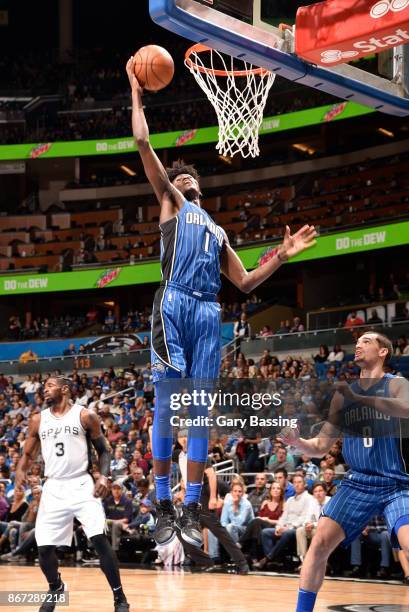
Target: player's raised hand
[[101, 487], [289, 436], [133, 81], [301, 240]]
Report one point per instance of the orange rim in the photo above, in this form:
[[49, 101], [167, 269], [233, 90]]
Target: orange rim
[[200, 48]]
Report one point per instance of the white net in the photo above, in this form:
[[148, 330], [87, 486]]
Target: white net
[[238, 96]]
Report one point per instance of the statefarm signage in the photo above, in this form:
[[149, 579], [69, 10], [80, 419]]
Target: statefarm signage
[[337, 31]]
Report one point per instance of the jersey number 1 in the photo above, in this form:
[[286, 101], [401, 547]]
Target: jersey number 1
[[207, 241], [60, 449]]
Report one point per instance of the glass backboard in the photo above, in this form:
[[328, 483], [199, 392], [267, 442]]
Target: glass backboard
[[248, 29]]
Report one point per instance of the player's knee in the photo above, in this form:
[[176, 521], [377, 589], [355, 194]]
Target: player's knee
[[45, 552], [322, 545]]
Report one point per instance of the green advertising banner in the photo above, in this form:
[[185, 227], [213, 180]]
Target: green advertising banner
[[180, 138], [329, 245], [345, 243]]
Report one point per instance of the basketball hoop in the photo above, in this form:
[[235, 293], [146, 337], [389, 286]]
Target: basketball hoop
[[238, 96]]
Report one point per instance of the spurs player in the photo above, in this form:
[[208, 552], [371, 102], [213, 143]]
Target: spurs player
[[64, 430]]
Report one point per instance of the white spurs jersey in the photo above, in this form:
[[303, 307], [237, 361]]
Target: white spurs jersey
[[64, 444]]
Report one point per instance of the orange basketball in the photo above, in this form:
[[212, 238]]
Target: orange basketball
[[154, 67]]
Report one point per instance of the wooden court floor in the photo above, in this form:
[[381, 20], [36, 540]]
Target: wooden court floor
[[179, 591]]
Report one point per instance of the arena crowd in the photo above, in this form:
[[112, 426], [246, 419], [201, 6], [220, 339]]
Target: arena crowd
[[269, 504]]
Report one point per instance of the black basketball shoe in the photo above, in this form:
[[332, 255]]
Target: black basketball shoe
[[189, 524], [54, 595], [121, 606], [165, 525]]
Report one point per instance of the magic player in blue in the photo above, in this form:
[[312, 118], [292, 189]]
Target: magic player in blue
[[378, 479], [186, 325]]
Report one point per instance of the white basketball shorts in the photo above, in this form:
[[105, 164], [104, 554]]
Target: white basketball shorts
[[61, 501]]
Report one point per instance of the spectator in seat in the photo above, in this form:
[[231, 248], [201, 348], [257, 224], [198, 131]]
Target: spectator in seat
[[353, 320], [322, 355], [71, 350], [4, 465], [284, 328], [14, 328], [109, 322], [27, 523], [28, 356], [132, 481], [281, 476], [45, 328], [395, 293], [142, 463], [310, 469], [257, 495], [350, 369], [297, 326], [143, 491], [266, 332], [119, 464], [144, 519], [242, 329], [280, 461], [118, 511], [374, 318], [4, 504], [297, 511], [216, 450], [332, 461], [17, 510], [328, 476], [337, 354], [237, 512], [306, 532], [402, 346], [375, 534], [116, 435], [268, 515]]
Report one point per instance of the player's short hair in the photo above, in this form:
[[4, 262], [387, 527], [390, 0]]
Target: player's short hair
[[384, 342], [64, 381], [281, 470], [179, 168]]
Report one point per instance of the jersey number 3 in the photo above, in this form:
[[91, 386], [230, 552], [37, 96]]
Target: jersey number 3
[[60, 449]]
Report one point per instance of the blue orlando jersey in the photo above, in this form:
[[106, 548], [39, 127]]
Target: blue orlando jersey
[[380, 449], [191, 244]]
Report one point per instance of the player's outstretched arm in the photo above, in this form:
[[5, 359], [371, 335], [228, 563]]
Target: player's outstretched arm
[[30, 450], [156, 174], [292, 245], [315, 447], [90, 422]]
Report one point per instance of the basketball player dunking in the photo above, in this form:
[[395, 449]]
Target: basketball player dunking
[[63, 431], [378, 479], [186, 328]]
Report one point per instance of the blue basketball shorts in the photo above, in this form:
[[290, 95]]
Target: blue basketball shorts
[[360, 497], [186, 334]]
